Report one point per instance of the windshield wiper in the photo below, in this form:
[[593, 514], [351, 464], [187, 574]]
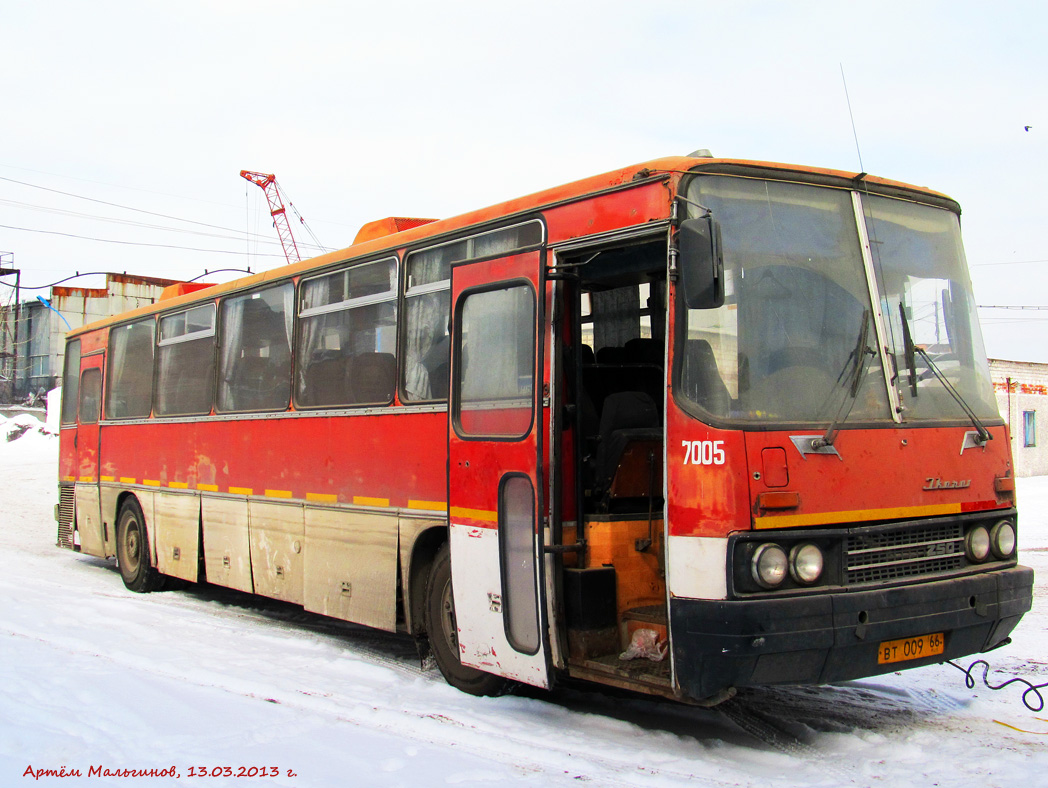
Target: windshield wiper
[[858, 357], [911, 352], [908, 349]]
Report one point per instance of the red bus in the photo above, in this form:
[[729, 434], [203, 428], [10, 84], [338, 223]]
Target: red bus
[[735, 415]]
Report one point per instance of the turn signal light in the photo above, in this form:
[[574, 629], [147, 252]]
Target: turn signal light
[[779, 500]]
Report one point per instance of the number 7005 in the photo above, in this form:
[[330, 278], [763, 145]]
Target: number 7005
[[703, 452]]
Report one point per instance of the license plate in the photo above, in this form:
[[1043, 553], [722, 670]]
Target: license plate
[[910, 648]]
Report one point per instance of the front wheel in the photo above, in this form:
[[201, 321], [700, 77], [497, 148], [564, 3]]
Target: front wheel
[[132, 550], [442, 629]]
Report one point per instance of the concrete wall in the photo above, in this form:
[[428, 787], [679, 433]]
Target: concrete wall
[[1022, 386]]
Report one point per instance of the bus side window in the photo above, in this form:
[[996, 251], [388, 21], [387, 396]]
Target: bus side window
[[90, 395], [347, 337], [254, 354], [186, 368], [71, 382], [130, 383]]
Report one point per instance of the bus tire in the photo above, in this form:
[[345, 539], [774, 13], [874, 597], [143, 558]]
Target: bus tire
[[443, 638], [132, 550]]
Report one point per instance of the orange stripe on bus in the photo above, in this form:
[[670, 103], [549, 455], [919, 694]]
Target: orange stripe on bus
[[208, 487], [475, 514], [278, 493], [87, 479], [433, 506], [241, 490], [322, 497], [832, 518], [69, 478], [362, 500]]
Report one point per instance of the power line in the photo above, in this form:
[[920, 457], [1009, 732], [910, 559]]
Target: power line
[[77, 275], [1011, 306], [132, 243], [125, 208], [1008, 262]]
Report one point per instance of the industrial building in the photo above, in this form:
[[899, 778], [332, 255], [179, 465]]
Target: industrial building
[[1022, 396], [32, 333]]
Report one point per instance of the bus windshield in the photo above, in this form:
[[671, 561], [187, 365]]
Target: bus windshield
[[795, 339]]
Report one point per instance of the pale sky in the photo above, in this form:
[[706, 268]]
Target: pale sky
[[366, 110]]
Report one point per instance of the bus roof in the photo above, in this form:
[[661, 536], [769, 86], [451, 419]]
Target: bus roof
[[674, 167]]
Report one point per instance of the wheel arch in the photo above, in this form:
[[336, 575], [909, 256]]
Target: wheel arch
[[423, 551]]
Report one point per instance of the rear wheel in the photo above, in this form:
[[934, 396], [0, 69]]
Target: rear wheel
[[132, 550], [442, 629]]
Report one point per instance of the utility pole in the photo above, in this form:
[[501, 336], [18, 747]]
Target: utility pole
[[6, 270]]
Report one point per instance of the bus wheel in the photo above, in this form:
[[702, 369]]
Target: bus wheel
[[443, 637], [132, 550]]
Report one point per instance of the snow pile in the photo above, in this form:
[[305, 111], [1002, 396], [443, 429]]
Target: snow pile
[[205, 679], [25, 425]]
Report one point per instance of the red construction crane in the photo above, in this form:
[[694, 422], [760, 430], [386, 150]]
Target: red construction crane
[[268, 184]]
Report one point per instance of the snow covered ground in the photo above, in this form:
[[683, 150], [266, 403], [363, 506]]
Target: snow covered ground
[[94, 676]]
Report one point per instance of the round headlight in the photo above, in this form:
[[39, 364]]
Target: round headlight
[[769, 565], [977, 544], [806, 563], [1002, 539]]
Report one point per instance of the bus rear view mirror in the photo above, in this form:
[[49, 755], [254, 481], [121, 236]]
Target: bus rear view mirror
[[701, 262]]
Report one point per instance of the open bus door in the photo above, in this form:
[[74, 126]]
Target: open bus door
[[495, 476], [86, 443]]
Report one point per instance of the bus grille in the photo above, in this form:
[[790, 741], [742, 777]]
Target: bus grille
[[913, 551], [65, 516]]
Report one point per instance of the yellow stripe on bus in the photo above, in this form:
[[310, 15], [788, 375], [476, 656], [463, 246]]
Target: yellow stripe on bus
[[208, 487], [322, 497], [127, 480], [87, 479], [107, 478], [69, 478], [151, 482], [858, 515], [278, 493], [362, 500], [179, 485], [241, 490], [433, 506], [475, 514]]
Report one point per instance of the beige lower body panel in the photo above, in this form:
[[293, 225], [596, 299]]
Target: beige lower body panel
[[176, 524], [351, 566], [88, 520], [109, 496], [276, 532], [227, 544]]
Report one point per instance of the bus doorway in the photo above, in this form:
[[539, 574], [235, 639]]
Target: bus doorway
[[615, 388]]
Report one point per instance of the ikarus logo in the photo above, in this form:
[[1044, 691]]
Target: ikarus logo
[[936, 483]]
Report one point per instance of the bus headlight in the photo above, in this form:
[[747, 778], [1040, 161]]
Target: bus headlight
[[769, 565], [806, 563], [1002, 539], [977, 544]]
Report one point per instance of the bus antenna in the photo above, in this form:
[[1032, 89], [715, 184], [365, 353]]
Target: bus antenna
[[851, 115]]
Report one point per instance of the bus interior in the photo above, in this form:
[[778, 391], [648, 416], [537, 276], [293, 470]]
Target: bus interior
[[614, 429]]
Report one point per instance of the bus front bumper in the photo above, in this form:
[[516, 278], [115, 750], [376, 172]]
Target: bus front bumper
[[829, 637]]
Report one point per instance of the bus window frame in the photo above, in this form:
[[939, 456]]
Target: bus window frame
[[220, 336], [301, 313], [110, 372], [182, 339]]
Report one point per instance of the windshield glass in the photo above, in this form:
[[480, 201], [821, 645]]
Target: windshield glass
[[794, 340], [926, 293]]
